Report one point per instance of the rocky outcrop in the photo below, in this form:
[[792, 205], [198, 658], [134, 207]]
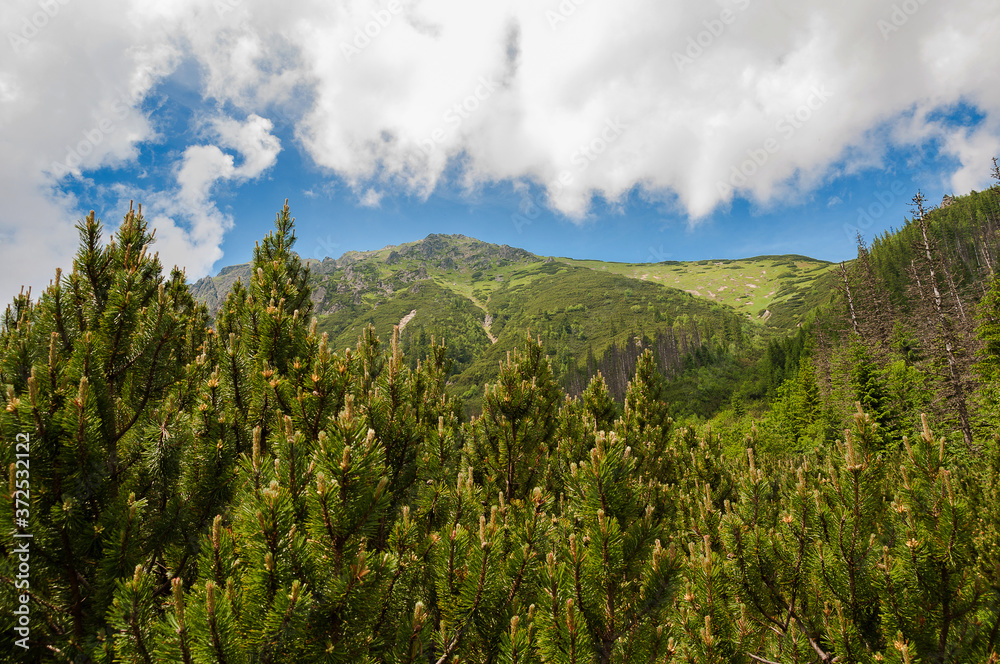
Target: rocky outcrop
[[359, 272], [213, 291]]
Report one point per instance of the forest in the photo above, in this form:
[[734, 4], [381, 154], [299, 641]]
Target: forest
[[238, 489]]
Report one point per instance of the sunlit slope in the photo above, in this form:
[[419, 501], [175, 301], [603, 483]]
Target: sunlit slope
[[777, 290]]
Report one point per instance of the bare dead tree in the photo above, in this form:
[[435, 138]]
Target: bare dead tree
[[944, 328], [878, 313], [849, 297]]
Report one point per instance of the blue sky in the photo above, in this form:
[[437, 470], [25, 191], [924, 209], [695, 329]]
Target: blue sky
[[820, 222], [637, 131]]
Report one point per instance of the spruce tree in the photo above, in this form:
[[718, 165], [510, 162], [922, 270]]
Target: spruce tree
[[988, 365], [646, 425]]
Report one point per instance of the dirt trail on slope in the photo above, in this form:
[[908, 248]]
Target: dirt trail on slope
[[486, 326], [406, 319], [488, 321]]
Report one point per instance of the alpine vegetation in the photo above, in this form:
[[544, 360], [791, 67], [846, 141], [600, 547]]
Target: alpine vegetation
[[237, 489]]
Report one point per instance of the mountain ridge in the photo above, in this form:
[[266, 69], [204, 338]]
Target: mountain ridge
[[482, 299], [466, 255]]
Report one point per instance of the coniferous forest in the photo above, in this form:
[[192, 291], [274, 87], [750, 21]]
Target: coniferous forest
[[235, 489]]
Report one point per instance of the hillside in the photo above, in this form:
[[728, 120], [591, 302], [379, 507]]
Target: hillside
[[777, 290], [482, 299]]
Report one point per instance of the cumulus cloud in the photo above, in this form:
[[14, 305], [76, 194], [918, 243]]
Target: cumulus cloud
[[973, 149], [70, 81], [370, 199], [196, 245], [691, 104]]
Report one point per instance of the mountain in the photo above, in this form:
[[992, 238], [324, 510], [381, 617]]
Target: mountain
[[482, 299], [777, 290]]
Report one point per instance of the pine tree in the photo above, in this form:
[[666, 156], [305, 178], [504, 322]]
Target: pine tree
[[986, 533], [599, 403], [510, 441], [262, 328], [609, 580], [929, 587], [245, 494], [100, 374], [308, 559], [851, 493], [768, 539]]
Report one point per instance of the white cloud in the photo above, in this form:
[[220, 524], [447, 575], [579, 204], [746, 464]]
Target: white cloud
[[197, 246], [70, 76], [370, 199], [388, 95], [701, 89], [973, 150]]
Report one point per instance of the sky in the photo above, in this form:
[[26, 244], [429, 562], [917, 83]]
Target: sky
[[621, 130]]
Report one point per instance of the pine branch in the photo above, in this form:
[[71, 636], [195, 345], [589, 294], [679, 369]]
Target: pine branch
[[471, 612], [760, 659]]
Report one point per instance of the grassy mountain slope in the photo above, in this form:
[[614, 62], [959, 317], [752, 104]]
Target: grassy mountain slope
[[579, 313], [777, 290], [482, 299]]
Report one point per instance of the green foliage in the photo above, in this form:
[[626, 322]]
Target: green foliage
[[609, 581], [646, 426], [102, 374], [599, 402], [965, 232], [246, 494], [510, 441], [797, 419], [988, 366]]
